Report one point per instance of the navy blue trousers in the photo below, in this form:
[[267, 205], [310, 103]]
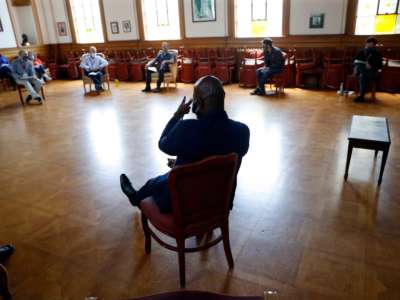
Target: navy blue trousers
[[97, 79], [263, 74], [158, 189]]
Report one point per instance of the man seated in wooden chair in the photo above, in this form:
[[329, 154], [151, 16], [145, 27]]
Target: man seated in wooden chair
[[93, 66], [159, 64], [274, 63], [367, 64], [192, 140], [24, 74]]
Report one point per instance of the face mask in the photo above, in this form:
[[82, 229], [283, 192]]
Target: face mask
[[25, 57], [196, 109]]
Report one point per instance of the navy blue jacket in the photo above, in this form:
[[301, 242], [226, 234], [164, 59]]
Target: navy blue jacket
[[192, 140]]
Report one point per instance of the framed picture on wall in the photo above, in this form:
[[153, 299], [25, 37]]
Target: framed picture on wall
[[126, 26], [203, 11], [114, 27], [62, 28], [317, 21]]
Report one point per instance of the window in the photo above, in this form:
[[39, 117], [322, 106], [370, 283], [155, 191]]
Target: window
[[378, 17], [161, 19], [258, 18], [87, 21]]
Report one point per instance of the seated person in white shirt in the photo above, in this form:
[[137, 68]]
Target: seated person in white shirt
[[93, 65], [24, 74]]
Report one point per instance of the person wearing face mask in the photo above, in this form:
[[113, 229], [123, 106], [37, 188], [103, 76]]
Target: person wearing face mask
[[24, 74], [159, 64], [192, 140], [274, 63], [93, 66]]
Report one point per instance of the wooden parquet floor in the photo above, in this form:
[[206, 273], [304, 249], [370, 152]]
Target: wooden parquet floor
[[296, 226]]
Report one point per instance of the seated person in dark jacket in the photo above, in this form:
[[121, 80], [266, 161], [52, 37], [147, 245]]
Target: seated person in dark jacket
[[367, 64], [192, 140], [5, 71], [159, 64], [274, 63]]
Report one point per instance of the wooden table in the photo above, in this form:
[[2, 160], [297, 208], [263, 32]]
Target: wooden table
[[369, 133]]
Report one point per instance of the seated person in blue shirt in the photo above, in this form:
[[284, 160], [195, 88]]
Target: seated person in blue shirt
[[192, 140], [24, 74], [274, 63], [93, 66], [159, 64], [5, 71]]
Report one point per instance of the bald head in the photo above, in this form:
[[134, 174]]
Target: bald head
[[209, 94]]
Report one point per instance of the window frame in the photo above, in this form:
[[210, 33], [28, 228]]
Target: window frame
[[73, 25], [396, 11]]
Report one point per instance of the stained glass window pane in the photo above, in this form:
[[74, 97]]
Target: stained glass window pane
[[249, 23], [367, 8], [161, 19], [397, 30], [162, 13], [258, 10], [365, 25], [87, 21], [387, 6], [385, 24]]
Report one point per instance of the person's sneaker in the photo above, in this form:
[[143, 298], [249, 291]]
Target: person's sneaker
[[146, 90], [28, 99], [255, 92], [156, 90], [128, 190], [39, 99], [5, 252], [359, 99]]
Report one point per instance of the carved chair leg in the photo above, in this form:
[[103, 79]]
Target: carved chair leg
[[227, 245], [147, 236], [181, 256]]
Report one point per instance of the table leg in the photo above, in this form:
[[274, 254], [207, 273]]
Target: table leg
[[376, 152], [349, 151], [383, 163]]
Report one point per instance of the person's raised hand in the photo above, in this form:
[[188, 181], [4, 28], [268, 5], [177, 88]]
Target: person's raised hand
[[183, 108]]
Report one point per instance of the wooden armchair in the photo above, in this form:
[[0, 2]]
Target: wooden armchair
[[171, 76], [200, 194]]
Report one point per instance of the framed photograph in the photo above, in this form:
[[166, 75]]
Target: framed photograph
[[203, 11], [62, 28], [317, 21], [114, 27], [126, 26]]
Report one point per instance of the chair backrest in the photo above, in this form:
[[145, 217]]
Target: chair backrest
[[174, 66], [201, 192]]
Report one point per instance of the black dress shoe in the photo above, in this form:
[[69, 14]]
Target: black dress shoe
[[146, 90], [156, 90], [28, 99], [39, 99], [128, 190], [5, 252], [359, 99]]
